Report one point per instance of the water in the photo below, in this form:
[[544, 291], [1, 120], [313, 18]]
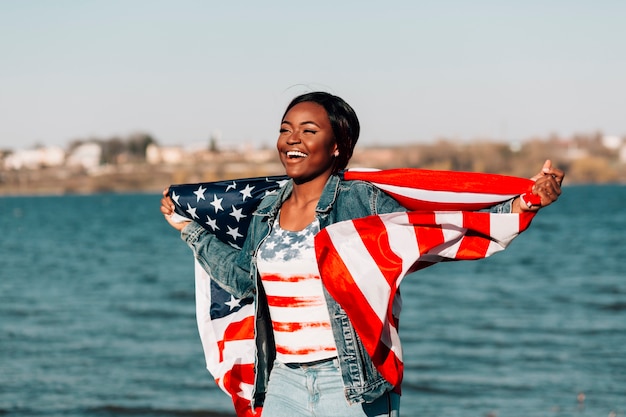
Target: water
[[97, 316]]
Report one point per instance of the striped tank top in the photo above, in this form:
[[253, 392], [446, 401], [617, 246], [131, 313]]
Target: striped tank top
[[289, 273]]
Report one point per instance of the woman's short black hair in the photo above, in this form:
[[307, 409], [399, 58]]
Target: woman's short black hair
[[343, 121]]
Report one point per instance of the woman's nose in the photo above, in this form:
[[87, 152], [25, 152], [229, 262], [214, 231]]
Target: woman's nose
[[293, 138]]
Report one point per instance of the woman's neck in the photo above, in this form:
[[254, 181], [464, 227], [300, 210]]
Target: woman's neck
[[298, 211]]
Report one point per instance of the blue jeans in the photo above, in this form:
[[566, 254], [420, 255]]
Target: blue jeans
[[317, 391]]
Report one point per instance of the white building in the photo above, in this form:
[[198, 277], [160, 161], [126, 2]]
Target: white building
[[612, 142], [616, 143], [87, 156], [164, 154], [51, 156]]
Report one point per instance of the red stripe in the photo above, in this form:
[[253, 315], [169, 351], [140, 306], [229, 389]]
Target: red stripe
[[475, 243], [278, 301], [239, 330], [525, 218], [438, 180], [232, 380], [290, 278], [295, 326], [374, 236], [342, 287], [304, 351], [428, 232], [388, 364]]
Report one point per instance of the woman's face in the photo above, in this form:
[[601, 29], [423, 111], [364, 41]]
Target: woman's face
[[306, 144]]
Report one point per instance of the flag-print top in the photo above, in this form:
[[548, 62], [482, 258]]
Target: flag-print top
[[290, 276]]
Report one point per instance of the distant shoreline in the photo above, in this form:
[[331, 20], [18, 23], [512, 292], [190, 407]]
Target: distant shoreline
[[594, 166], [33, 184]]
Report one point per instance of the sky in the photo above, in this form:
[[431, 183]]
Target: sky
[[414, 71]]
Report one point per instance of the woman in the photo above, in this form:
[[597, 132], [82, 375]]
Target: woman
[[318, 364]]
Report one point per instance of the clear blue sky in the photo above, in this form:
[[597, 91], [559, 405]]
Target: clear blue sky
[[413, 70]]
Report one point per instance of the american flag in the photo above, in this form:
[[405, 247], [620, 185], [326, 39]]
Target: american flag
[[362, 262], [224, 207], [226, 327], [226, 324]]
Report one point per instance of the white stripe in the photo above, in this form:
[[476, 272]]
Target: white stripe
[[306, 338], [361, 266], [504, 227], [310, 287], [208, 338], [235, 353], [287, 268], [218, 326], [452, 231], [445, 196], [494, 247], [211, 331], [300, 314], [246, 390], [402, 240]]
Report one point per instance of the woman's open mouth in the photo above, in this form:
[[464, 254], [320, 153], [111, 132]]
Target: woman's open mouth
[[295, 154]]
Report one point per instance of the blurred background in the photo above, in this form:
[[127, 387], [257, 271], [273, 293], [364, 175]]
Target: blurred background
[[105, 103], [95, 85]]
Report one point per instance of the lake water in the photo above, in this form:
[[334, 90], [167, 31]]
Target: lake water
[[97, 316]]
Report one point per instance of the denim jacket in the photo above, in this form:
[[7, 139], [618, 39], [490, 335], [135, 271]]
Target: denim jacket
[[235, 270]]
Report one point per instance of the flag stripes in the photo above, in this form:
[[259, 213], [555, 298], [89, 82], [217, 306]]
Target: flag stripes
[[362, 262]]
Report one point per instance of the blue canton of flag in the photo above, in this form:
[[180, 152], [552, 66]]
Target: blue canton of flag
[[224, 304], [224, 207]]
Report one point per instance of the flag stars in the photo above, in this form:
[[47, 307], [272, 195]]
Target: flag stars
[[199, 193], [247, 192], [233, 303], [233, 186], [192, 211], [212, 223], [237, 214], [175, 198], [234, 232], [282, 183], [217, 203]]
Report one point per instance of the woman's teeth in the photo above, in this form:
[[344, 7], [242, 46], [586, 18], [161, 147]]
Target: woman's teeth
[[296, 154]]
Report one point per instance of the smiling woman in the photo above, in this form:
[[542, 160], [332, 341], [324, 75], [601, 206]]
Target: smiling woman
[[308, 150], [306, 144], [310, 358]]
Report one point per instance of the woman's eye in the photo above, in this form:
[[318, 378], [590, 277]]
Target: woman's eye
[[310, 131], [283, 130]]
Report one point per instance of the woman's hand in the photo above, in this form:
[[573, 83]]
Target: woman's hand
[[547, 186], [167, 208]]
